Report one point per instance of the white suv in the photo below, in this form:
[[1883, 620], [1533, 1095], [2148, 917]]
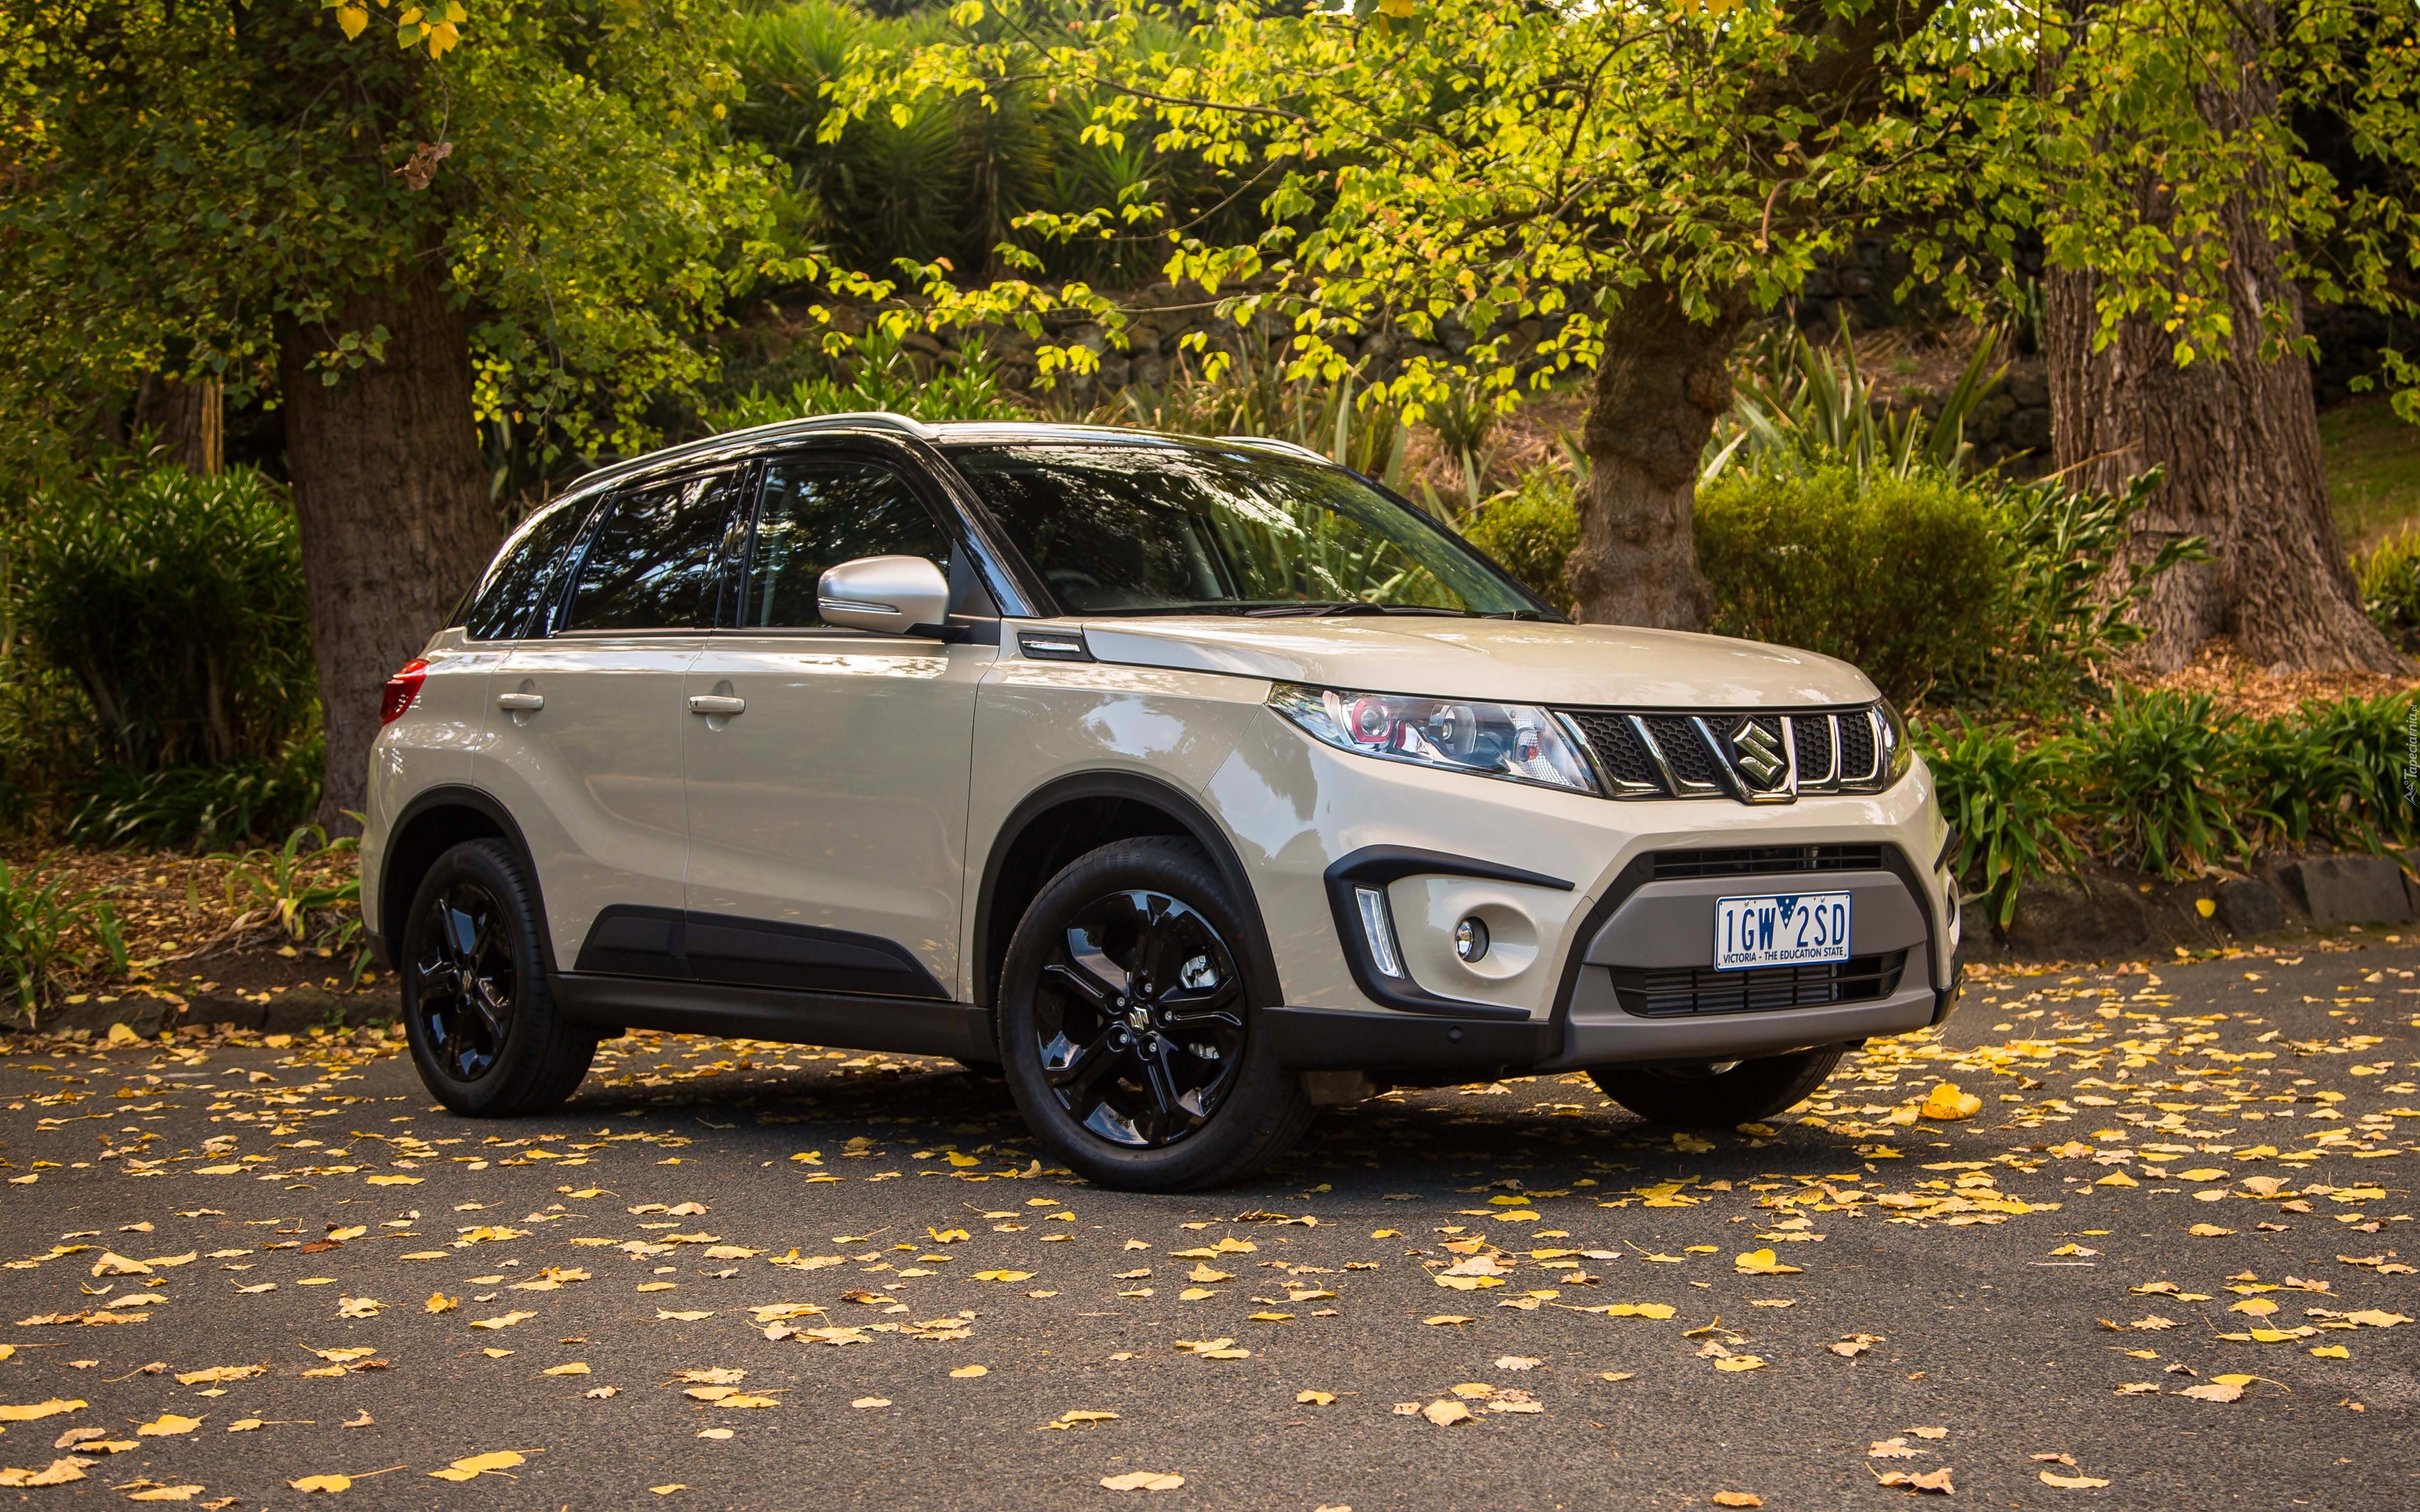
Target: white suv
[[1191, 783]]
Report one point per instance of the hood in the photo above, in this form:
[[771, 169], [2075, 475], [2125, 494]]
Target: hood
[[1513, 661]]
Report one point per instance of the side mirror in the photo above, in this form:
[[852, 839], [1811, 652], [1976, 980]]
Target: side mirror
[[888, 595]]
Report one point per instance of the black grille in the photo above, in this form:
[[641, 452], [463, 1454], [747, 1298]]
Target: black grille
[[1766, 860], [1677, 738], [1857, 748], [1617, 748], [1813, 733], [1677, 991]]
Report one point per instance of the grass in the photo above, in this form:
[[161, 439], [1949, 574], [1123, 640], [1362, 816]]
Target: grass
[[2373, 464]]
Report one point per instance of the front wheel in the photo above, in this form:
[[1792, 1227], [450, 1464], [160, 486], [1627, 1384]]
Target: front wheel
[[1127, 1026], [1717, 1094], [477, 1008]]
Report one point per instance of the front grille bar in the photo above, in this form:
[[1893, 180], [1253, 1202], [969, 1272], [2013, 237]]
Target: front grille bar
[[1659, 755]]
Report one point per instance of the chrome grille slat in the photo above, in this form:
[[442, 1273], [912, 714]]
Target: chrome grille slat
[[1749, 755]]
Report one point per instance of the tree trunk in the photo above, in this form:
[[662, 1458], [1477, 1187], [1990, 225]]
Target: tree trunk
[[1665, 380], [187, 420], [2237, 438], [392, 498]]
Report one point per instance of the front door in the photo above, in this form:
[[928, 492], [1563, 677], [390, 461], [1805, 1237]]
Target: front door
[[827, 767], [588, 724]]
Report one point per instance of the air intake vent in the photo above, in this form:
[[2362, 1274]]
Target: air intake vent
[[1766, 860], [1680, 992]]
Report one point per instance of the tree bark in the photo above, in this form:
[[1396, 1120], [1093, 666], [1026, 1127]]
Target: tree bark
[[1665, 380], [392, 498], [187, 421], [2237, 438]]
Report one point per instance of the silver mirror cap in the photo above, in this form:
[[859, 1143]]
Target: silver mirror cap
[[888, 595]]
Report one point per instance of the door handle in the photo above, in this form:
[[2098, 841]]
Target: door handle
[[520, 702], [716, 705]]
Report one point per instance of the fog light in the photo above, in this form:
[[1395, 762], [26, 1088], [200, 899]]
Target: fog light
[[1376, 928], [1470, 938]]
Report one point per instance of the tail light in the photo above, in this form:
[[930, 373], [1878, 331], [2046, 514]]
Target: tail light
[[401, 690]]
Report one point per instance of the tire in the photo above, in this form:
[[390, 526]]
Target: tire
[[1695, 1095], [1105, 1057], [478, 1009]]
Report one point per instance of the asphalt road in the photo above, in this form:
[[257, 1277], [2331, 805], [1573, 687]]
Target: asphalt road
[[1991, 1266]]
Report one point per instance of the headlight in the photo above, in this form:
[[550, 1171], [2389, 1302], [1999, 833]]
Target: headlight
[[1519, 742], [1896, 751]]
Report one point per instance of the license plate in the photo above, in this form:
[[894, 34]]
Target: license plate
[[1785, 929]]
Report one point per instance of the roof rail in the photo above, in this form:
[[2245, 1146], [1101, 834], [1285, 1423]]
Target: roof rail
[[857, 420], [1296, 447]]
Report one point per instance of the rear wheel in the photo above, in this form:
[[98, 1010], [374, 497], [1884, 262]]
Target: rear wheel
[[1126, 1025], [1715, 1094], [477, 1010]]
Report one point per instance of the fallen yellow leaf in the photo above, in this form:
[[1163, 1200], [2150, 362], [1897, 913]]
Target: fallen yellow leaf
[[473, 1466], [166, 1426], [1946, 1102], [331, 1484]]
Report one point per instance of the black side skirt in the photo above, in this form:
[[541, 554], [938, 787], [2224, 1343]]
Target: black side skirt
[[901, 1026]]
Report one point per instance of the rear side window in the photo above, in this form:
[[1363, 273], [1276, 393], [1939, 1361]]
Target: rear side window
[[653, 562], [816, 515], [504, 604]]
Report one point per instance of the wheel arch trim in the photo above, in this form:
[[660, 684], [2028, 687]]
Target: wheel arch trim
[[1133, 787], [392, 907]]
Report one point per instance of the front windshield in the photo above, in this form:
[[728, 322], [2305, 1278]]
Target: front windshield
[[1140, 528]]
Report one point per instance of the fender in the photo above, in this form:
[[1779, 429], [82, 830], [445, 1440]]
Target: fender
[[1260, 962]]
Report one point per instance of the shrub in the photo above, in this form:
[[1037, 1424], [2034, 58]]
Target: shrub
[[198, 806], [2012, 803], [1901, 575], [176, 604], [2059, 622], [2389, 578], [2163, 774], [1531, 532], [41, 912], [2362, 791]]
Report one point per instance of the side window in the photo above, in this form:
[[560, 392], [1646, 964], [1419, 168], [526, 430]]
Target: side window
[[651, 564], [819, 514], [517, 582]]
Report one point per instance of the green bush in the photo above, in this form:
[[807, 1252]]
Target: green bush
[[197, 806], [2163, 775], [2362, 793], [1900, 574], [1530, 532], [2389, 578], [2013, 803], [41, 915], [175, 602]]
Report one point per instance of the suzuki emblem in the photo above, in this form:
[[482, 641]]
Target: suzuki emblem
[[1756, 751]]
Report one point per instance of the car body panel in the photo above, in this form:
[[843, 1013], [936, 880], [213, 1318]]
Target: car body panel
[[1517, 661], [433, 747], [838, 799], [595, 777]]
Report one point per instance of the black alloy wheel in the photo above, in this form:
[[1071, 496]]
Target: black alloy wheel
[[1140, 1019], [479, 1007], [1128, 1023], [465, 980]]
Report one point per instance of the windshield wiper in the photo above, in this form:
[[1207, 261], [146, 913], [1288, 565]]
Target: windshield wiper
[[1338, 607]]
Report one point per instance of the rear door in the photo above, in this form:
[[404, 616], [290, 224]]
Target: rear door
[[827, 767], [586, 733]]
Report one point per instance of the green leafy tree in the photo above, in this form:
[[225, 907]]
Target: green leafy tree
[[399, 223], [1640, 178]]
